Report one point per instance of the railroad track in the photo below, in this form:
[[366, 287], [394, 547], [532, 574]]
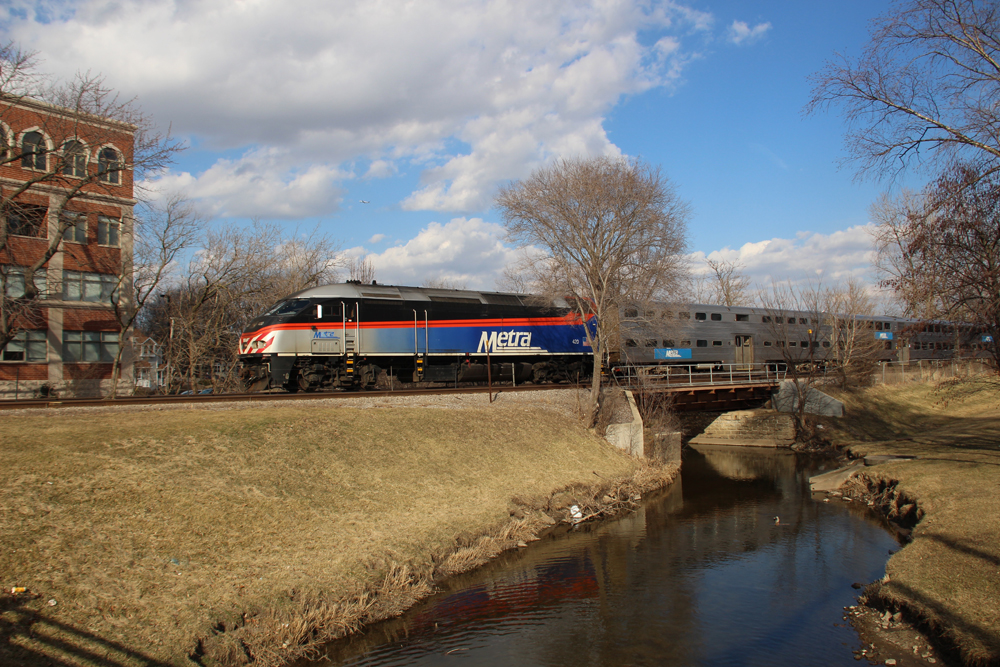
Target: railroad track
[[24, 404]]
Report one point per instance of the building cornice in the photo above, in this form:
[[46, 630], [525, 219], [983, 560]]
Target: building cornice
[[38, 106]]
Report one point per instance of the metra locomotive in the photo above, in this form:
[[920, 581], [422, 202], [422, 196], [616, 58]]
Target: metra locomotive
[[344, 335]]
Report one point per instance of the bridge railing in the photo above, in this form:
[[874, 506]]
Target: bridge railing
[[695, 375]]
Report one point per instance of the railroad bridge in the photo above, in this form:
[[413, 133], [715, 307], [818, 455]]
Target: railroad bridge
[[709, 388]]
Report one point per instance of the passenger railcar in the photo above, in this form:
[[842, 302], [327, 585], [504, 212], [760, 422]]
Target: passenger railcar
[[344, 335], [703, 335]]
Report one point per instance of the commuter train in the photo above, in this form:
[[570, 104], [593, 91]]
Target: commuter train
[[345, 335], [707, 335]]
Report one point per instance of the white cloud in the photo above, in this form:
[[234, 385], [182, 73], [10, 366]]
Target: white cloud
[[376, 238], [259, 184], [472, 92], [814, 258], [741, 33], [464, 251]]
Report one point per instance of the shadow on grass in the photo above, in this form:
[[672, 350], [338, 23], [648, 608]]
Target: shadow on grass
[[964, 548], [31, 639], [988, 639]]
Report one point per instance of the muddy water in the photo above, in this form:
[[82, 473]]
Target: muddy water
[[701, 575]]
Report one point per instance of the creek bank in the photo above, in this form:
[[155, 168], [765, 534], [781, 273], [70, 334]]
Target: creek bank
[[173, 535], [934, 479]]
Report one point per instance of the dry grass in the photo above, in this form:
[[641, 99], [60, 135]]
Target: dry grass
[[161, 534], [948, 578]]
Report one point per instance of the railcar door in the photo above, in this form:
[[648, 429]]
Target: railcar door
[[743, 345]]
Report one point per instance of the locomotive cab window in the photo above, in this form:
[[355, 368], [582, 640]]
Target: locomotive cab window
[[287, 308]]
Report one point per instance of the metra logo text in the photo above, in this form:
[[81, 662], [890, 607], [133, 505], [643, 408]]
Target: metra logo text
[[506, 341]]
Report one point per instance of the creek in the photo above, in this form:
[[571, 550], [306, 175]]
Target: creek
[[700, 575]]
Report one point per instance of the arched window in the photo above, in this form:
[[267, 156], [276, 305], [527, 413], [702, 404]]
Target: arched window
[[108, 165], [75, 159], [33, 151]]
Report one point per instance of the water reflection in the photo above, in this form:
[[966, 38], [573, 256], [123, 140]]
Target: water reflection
[[700, 575]]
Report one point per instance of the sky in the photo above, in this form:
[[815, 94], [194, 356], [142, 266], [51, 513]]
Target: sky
[[388, 125]]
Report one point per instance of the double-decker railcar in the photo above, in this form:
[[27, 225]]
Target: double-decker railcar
[[345, 335], [707, 335]]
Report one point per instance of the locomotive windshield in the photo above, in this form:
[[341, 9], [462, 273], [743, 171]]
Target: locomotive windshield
[[289, 307]]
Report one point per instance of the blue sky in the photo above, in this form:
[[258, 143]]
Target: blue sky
[[423, 108]]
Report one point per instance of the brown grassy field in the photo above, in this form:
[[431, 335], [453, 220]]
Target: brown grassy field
[[144, 537], [948, 578]]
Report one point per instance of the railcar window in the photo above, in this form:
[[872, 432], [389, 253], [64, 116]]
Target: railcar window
[[700, 317], [765, 319], [650, 342], [631, 312], [767, 343], [716, 343], [804, 343], [630, 343], [781, 343], [685, 343], [666, 315], [716, 317], [878, 326], [650, 314], [778, 320], [887, 326], [802, 320], [826, 343], [668, 343], [702, 343], [742, 318], [791, 343], [290, 307]]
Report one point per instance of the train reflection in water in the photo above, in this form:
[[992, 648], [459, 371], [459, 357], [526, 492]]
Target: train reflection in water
[[699, 575]]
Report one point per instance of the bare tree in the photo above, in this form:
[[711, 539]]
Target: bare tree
[[730, 286], [361, 269], [941, 253], [62, 154], [854, 349], [794, 318], [159, 235], [235, 276], [613, 233], [926, 89]]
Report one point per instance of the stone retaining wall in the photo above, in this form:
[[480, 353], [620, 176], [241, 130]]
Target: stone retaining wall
[[754, 428]]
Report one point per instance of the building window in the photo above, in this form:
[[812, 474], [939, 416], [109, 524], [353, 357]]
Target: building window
[[742, 318], [108, 165], [716, 317], [74, 159], [12, 281], [108, 231], [90, 346], [76, 231], [93, 287], [27, 220], [33, 151], [702, 343], [26, 346]]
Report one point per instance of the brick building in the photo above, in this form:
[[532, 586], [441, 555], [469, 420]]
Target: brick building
[[65, 195]]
